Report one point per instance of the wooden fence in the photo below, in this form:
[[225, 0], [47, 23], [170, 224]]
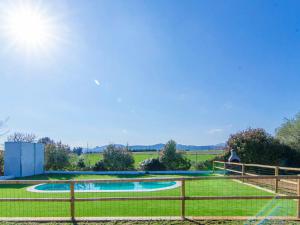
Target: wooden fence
[[182, 198], [285, 185]]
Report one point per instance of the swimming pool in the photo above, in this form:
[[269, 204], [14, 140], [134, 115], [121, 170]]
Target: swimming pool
[[106, 187]]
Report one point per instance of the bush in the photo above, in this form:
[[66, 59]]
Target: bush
[[205, 165], [172, 159], [81, 164], [152, 164], [117, 159], [99, 166], [257, 146]]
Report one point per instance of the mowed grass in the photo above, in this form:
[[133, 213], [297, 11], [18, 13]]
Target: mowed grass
[[155, 222], [143, 207], [194, 156]]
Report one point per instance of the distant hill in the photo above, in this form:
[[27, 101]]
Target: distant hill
[[157, 147]]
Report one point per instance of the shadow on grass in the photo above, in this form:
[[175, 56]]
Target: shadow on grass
[[14, 186]]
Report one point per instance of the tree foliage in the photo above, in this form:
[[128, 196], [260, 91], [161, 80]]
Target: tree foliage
[[205, 165], [257, 146], [21, 137], [81, 164], [99, 166], [78, 150], [289, 132], [172, 159], [152, 164], [57, 156], [117, 158], [46, 141]]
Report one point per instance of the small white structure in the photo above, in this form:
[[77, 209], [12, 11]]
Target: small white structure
[[234, 157], [23, 159]]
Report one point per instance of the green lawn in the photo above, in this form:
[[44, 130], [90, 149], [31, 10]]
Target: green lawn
[[153, 222], [157, 222], [146, 208], [194, 156]]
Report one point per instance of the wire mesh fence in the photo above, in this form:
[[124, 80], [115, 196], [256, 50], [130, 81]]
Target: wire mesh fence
[[190, 197], [277, 185]]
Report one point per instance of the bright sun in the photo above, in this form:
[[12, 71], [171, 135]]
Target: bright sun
[[29, 27]]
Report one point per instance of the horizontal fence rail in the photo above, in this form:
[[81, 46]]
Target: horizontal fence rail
[[184, 196], [259, 170]]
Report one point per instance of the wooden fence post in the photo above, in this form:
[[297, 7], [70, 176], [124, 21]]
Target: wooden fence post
[[183, 199], [224, 168], [298, 202], [72, 202], [243, 171], [276, 179], [213, 166]]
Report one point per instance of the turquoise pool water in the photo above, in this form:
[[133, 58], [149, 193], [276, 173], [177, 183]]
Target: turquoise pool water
[[105, 187]]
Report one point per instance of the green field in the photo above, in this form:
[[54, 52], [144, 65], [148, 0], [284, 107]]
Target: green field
[[145, 208], [194, 156]]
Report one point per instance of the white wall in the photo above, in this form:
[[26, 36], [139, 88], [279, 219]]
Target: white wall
[[12, 159], [39, 158], [23, 159]]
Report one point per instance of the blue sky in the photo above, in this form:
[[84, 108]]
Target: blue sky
[[143, 72]]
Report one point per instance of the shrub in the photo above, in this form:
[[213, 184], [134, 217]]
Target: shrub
[[152, 164], [172, 159], [117, 158], [81, 164], [205, 165], [99, 166], [257, 146]]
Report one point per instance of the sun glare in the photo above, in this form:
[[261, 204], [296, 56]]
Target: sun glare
[[29, 27]]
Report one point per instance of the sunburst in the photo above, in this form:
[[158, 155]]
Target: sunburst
[[27, 26]]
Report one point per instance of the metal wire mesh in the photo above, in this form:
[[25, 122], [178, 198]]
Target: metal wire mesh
[[211, 196], [277, 185], [15, 202]]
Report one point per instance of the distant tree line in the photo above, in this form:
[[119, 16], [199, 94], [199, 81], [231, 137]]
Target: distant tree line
[[120, 159], [252, 146]]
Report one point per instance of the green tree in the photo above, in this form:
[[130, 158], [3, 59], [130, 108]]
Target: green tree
[[257, 146], [46, 141], [77, 150], [56, 157], [289, 132], [117, 158], [173, 159]]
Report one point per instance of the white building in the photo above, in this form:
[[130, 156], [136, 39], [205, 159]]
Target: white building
[[23, 159]]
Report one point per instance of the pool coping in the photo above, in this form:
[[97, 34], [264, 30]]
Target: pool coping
[[163, 172], [32, 189]]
